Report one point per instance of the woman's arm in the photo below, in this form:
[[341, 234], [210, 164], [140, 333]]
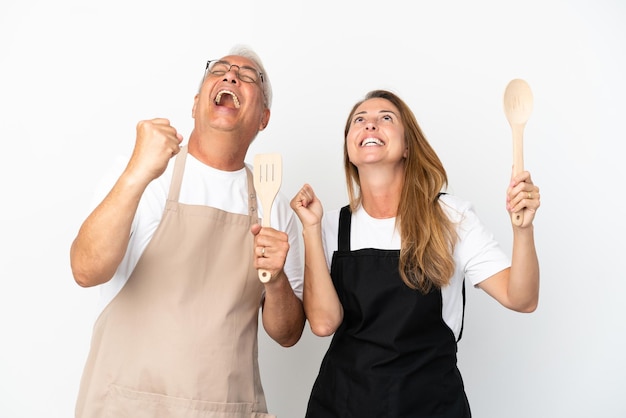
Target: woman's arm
[[321, 303], [517, 287]]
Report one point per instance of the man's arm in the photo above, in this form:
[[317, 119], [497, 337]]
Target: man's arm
[[103, 237], [283, 314]]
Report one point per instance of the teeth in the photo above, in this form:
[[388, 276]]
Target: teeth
[[218, 98], [368, 142]]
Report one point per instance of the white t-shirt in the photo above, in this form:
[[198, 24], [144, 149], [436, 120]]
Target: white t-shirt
[[201, 185], [477, 256]]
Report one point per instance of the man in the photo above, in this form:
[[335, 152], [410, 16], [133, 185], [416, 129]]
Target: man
[[174, 246]]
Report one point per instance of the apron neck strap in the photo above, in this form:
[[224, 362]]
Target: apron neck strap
[[177, 176], [252, 202]]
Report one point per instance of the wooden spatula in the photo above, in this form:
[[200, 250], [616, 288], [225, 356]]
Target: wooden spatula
[[518, 105], [268, 175]]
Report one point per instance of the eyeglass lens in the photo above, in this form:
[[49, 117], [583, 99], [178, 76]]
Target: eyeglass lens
[[246, 74]]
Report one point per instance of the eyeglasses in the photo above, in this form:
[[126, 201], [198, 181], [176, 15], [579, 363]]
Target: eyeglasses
[[245, 73]]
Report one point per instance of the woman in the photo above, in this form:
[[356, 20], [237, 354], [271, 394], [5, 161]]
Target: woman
[[386, 273]]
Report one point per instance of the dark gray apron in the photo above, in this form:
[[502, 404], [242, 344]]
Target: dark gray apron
[[393, 355]]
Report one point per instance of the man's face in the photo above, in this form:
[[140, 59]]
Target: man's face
[[231, 98]]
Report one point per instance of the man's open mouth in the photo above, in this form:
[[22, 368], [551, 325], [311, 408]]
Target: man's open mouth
[[227, 98]]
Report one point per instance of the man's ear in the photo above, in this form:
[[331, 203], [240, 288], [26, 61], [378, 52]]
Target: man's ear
[[195, 103], [265, 119]]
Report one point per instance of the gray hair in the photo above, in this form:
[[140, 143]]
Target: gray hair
[[266, 85], [247, 52]]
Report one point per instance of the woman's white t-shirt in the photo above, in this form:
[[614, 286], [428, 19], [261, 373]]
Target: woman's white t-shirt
[[477, 256]]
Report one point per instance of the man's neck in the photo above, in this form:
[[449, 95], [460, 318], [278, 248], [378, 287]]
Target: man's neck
[[219, 151]]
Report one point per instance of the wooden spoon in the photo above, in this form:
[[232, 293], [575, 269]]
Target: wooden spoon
[[518, 105]]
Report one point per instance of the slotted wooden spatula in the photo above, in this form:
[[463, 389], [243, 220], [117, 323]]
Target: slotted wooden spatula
[[268, 175]]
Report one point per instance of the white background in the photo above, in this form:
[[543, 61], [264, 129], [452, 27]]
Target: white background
[[77, 75]]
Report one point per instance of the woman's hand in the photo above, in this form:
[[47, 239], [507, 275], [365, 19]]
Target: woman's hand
[[307, 207], [523, 194]]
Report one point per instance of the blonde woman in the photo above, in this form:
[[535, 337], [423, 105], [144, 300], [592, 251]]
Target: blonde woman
[[385, 275]]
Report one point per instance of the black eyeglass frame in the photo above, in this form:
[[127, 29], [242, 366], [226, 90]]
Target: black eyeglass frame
[[208, 63]]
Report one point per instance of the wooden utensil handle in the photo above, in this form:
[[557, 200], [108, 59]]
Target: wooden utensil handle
[[265, 275], [518, 165]]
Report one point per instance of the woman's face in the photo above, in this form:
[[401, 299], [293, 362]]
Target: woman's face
[[376, 134]]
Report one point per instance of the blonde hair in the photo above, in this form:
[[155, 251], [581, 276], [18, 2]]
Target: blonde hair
[[428, 236]]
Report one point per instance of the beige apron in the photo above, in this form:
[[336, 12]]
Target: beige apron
[[180, 338]]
